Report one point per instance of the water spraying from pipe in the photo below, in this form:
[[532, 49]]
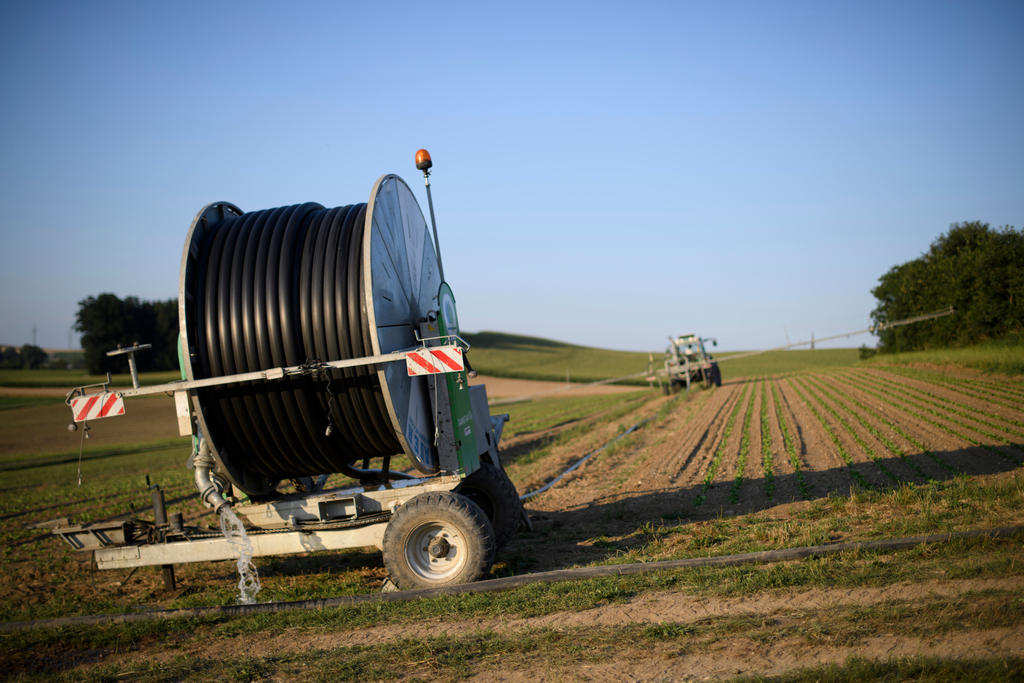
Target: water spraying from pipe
[[234, 531]]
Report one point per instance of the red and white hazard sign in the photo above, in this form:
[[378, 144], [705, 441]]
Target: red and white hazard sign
[[434, 360], [95, 406]]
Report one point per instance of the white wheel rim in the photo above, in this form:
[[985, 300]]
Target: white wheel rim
[[435, 551]]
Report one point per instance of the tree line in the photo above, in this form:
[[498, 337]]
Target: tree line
[[28, 357], [976, 269], [107, 321]]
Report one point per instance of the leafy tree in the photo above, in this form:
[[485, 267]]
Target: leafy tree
[[107, 322], [32, 357], [973, 268], [165, 336], [10, 358]]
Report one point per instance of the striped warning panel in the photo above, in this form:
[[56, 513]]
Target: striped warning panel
[[95, 406], [435, 360]]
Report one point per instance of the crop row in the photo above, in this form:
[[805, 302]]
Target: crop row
[[716, 460], [848, 428], [840, 449], [999, 393], [790, 444], [921, 399], [942, 410], [931, 416], [741, 464], [860, 413], [766, 445]]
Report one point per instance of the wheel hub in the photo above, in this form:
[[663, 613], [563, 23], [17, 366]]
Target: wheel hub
[[439, 547]]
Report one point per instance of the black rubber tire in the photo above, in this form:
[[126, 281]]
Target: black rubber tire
[[440, 522], [494, 493], [716, 375]]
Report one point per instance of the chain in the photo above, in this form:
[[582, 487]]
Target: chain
[[81, 447]]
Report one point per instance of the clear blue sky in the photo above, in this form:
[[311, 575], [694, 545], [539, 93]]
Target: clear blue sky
[[605, 173]]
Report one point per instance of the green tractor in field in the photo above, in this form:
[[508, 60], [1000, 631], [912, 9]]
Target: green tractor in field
[[688, 362]]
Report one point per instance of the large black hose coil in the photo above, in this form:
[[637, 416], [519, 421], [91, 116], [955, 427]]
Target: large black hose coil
[[284, 287]]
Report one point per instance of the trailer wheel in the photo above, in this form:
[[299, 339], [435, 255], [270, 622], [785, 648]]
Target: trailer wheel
[[438, 539], [494, 493]]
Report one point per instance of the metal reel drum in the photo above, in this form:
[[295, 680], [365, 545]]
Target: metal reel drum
[[207, 219], [396, 290], [401, 279]]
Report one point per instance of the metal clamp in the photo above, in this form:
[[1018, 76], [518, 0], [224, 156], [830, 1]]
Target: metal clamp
[[445, 338]]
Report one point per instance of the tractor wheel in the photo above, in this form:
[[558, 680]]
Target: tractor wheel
[[494, 493], [716, 375], [438, 539]]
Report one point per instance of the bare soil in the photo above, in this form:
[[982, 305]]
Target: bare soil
[[44, 428]]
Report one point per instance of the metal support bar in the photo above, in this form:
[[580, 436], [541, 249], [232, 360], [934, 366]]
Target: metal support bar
[[340, 504], [212, 549], [131, 359], [265, 375], [433, 224], [160, 519]]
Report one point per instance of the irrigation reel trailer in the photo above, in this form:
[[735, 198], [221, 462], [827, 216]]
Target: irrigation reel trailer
[[316, 341]]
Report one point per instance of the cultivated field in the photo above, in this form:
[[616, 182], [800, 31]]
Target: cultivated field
[[827, 455]]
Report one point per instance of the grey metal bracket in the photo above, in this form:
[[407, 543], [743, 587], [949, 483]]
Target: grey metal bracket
[[444, 430]]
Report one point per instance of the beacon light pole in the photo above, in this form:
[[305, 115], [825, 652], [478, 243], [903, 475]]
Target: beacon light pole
[[423, 163]]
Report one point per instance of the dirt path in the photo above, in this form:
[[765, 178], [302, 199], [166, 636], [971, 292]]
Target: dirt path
[[44, 428]]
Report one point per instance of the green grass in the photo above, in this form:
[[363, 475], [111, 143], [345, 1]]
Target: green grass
[[922, 669], [512, 355], [16, 402], [1004, 357], [473, 650], [779, 362], [509, 355], [537, 415], [68, 379], [562, 651]]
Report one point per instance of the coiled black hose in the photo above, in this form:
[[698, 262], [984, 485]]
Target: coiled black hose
[[281, 287]]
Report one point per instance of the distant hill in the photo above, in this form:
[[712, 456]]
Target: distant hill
[[514, 355]]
